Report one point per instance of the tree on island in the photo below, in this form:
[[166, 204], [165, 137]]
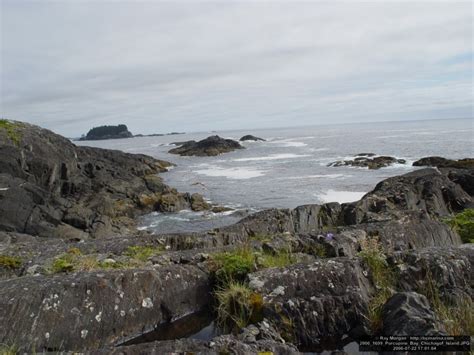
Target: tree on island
[[108, 132]]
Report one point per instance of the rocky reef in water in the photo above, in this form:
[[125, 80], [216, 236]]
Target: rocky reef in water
[[211, 146], [107, 132], [249, 137], [368, 160], [76, 275]]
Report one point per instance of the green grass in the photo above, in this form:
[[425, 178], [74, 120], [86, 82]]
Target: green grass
[[238, 306], [11, 130], [142, 253], [8, 349], [232, 266], [281, 259], [383, 279], [10, 262], [458, 319], [463, 224]]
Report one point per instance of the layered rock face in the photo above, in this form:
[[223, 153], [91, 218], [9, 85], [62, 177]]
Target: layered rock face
[[50, 187], [211, 146], [387, 264]]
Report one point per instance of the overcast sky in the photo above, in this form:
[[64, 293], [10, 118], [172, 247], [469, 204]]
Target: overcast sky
[[192, 66]]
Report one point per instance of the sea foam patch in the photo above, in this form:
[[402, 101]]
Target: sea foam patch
[[340, 196], [238, 173], [274, 157]]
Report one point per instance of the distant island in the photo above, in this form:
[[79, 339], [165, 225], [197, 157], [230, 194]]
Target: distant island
[[116, 132], [107, 132]]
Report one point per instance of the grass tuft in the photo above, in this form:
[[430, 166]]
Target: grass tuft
[[142, 253], [383, 277], [8, 349], [11, 130], [463, 224], [238, 306], [10, 262]]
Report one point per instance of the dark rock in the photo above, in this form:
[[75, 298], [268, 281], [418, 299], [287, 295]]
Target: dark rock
[[213, 145], [325, 298], [107, 132], [198, 203], [85, 310], [52, 188], [467, 163], [409, 313], [363, 160], [249, 137]]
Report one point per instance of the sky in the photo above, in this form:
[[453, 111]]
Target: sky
[[190, 66]]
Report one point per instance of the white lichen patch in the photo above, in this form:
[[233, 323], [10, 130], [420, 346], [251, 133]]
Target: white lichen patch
[[122, 313], [147, 303], [98, 317], [84, 333]]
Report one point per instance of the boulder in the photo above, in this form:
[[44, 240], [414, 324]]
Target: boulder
[[92, 309], [409, 314], [211, 146], [249, 137]]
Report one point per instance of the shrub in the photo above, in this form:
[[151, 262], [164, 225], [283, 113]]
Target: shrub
[[463, 224], [238, 306], [10, 262]]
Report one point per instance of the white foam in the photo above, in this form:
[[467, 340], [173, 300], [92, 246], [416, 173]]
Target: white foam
[[4, 188], [288, 143], [274, 157], [319, 176], [231, 173], [340, 196]]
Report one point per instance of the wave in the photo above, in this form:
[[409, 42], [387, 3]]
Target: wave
[[238, 173], [274, 157], [318, 176]]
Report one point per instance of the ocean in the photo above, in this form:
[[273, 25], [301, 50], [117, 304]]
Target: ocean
[[290, 168]]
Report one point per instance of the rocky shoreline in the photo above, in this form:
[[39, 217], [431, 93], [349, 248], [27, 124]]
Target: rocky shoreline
[[76, 275]]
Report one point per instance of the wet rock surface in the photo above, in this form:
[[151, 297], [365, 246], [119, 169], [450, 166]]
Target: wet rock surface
[[440, 162], [211, 146], [76, 275]]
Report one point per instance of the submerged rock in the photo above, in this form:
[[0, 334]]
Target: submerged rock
[[249, 137], [363, 160], [213, 145]]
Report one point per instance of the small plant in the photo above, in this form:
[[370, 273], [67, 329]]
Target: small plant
[[233, 266], [74, 251], [261, 237], [63, 263], [11, 130], [10, 262], [457, 319], [280, 259], [238, 306], [8, 349], [383, 277], [142, 253], [463, 224]]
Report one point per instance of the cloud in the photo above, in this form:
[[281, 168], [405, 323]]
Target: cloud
[[193, 66]]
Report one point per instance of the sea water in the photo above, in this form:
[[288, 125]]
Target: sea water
[[290, 168]]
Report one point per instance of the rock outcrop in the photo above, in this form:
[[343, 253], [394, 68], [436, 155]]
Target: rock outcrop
[[211, 146], [53, 188], [249, 137], [440, 162], [107, 132], [368, 160]]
